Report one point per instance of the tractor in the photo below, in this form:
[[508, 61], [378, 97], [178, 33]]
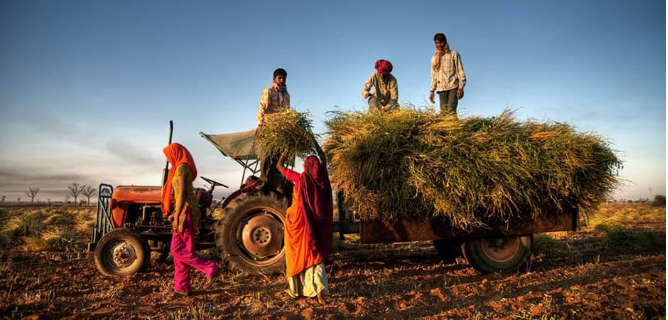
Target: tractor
[[130, 230]]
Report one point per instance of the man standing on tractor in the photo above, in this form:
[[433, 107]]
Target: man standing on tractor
[[274, 99], [447, 76], [385, 92]]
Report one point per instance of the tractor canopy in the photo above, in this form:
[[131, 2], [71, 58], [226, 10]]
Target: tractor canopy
[[237, 145], [240, 146]]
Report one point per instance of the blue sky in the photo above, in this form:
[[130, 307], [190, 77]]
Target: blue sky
[[87, 87]]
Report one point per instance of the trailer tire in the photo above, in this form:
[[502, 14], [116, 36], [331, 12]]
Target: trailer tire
[[249, 236], [448, 249], [505, 254], [121, 252]]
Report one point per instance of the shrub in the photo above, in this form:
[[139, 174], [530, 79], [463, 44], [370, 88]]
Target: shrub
[[659, 201], [620, 237], [545, 244], [27, 225], [58, 239]]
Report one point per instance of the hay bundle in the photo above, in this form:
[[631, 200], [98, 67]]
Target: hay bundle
[[412, 163], [288, 129]]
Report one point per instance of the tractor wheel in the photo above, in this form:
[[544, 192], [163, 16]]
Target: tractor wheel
[[448, 249], [249, 236], [121, 252], [498, 254]]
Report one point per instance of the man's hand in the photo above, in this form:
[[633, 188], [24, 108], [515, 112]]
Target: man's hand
[[460, 93], [431, 96]]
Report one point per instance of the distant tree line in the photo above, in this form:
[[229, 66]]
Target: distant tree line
[[75, 190]]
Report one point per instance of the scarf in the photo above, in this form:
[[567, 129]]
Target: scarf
[[316, 201], [439, 54], [176, 155]]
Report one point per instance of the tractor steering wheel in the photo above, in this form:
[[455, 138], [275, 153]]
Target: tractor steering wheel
[[213, 183]]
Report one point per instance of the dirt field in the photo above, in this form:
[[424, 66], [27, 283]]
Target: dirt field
[[614, 268]]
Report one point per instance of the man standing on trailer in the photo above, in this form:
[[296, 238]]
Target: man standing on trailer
[[385, 92], [447, 76], [274, 99]]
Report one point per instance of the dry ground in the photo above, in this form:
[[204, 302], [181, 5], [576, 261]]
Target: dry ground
[[614, 268]]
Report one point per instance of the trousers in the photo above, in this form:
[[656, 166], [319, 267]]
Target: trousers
[[186, 257], [448, 101]]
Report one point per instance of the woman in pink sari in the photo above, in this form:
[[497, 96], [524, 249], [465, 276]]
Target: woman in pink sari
[[185, 219]]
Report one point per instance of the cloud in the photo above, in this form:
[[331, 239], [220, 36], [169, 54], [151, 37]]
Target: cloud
[[128, 152]]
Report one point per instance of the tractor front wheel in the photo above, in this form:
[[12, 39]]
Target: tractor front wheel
[[121, 252], [498, 254], [249, 236]]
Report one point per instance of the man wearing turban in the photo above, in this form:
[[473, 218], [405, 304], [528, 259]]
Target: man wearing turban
[[381, 89]]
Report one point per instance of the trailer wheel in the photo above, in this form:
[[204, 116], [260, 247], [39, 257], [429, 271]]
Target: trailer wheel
[[498, 254], [249, 236], [448, 249], [121, 252]]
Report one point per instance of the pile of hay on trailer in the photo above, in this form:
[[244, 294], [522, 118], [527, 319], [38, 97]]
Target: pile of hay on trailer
[[419, 165], [288, 129]]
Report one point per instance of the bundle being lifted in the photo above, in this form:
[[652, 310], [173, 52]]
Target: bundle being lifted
[[414, 164], [288, 129]]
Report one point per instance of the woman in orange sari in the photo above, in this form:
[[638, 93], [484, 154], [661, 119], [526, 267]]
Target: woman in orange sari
[[185, 219], [308, 228]]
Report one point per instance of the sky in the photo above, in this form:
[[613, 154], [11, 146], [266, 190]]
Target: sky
[[87, 88]]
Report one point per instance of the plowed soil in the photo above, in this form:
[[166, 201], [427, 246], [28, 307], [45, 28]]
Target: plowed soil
[[591, 280]]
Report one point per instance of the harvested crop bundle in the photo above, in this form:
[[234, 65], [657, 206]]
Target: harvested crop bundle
[[419, 165], [288, 129]]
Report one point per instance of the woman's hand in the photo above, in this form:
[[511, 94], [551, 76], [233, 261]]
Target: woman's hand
[[173, 219], [281, 160]]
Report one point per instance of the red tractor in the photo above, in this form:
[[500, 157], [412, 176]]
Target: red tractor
[[130, 229]]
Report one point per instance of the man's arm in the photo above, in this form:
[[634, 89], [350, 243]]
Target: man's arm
[[432, 75], [264, 104], [460, 72], [394, 90], [367, 86], [287, 100]]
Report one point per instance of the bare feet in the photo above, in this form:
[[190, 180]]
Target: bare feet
[[321, 299]]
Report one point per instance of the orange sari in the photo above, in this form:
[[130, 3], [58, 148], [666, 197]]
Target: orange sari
[[308, 225]]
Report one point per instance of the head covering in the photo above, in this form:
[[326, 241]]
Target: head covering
[[316, 200], [383, 66], [176, 155]]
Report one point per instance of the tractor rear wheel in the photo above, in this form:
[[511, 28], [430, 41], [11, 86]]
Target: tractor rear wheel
[[121, 252], [498, 254], [249, 236]]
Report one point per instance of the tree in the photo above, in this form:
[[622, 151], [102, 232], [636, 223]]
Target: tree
[[67, 198], [18, 199], [2, 199], [88, 191], [75, 190], [31, 193]]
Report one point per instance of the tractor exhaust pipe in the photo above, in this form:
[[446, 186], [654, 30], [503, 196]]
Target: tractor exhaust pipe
[[166, 169]]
